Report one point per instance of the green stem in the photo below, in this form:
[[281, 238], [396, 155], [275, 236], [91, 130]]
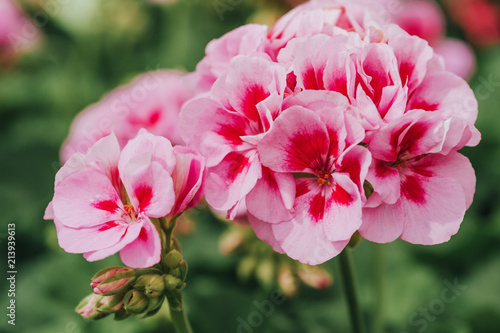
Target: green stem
[[350, 287], [378, 283], [180, 321]]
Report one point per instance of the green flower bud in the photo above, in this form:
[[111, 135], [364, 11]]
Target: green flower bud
[[173, 259], [86, 308], [154, 306], [135, 301], [171, 282], [113, 280], [122, 314], [152, 284], [109, 304]]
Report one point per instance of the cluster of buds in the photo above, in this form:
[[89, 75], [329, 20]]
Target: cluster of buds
[[271, 269], [125, 291]]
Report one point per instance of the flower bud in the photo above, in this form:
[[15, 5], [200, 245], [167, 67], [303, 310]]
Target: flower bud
[[113, 280], [265, 272], [109, 304], [152, 284], [171, 282], [154, 306], [135, 301], [122, 314], [287, 282], [86, 308], [173, 259], [231, 241], [314, 276], [174, 298]]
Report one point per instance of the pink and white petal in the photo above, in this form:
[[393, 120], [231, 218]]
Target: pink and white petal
[[188, 177], [306, 242], [297, 142], [132, 232], [212, 130], [446, 93], [86, 198], [456, 166], [433, 207], [145, 250], [251, 80], [355, 161], [150, 189], [231, 180], [264, 231], [272, 198], [49, 212], [342, 209], [413, 54], [385, 182], [104, 155], [145, 148], [74, 163], [382, 224], [90, 239]]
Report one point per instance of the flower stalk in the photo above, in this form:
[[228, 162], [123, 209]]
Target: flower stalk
[[351, 291]]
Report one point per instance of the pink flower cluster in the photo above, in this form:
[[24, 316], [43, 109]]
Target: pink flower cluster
[[105, 200], [332, 123]]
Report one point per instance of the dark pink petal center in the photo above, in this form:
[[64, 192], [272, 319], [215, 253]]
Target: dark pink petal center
[[144, 194], [107, 205]]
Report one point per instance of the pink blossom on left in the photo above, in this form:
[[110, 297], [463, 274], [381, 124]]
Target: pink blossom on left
[[17, 31], [105, 200]]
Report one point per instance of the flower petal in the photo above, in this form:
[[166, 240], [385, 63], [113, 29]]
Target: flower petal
[[145, 250]]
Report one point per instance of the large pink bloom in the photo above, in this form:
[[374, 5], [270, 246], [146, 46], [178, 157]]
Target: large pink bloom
[[226, 127], [422, 186], [152, 101], [104, 201], [316, 140]]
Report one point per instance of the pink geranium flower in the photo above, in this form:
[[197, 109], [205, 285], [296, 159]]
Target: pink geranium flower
[[316, 139], [226, 127], [152, 101], [422, 186], [104, 201]]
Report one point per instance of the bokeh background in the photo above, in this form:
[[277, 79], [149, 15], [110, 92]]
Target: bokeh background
[[85, 49]]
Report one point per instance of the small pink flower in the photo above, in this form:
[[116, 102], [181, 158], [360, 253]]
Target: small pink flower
[[226, 127], [316, 140], [104, 200], [152, 101], [17, 31], [422, 186]]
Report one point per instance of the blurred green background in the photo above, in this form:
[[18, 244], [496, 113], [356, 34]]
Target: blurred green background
[[89, 48]]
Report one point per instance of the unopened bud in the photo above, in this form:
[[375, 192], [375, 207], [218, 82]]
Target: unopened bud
[[287, 282], [231, 241], [86, 308], [154, 306], [266, 273], [135, 301], [109, 304], [174, 298], [152, 284], [314, 276], [246, 267], [122, 314], [173, 259], [113, 280], [171, 282]]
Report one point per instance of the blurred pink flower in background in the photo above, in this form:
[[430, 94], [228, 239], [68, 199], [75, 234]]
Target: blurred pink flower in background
[[17, 32], [425, 19], [152, 101], [480, 20]]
